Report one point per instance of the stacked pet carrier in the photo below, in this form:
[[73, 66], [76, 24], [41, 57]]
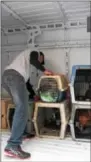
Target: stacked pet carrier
[[80, 89], [10, 115], [52, 112]]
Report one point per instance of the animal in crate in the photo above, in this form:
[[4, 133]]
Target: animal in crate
[[49, 121], [54, 122], [53, 88], [83, 123]]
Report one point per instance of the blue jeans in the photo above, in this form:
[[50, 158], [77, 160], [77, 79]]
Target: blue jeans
[[15, 85]]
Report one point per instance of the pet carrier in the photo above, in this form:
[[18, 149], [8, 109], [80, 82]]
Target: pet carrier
[[52, 88], [80, 89], [80, 86], [51, 119], [4, 108], [80, 122], [10, 115]]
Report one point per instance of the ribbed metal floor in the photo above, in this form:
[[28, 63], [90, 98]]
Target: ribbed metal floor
[[51, 150]]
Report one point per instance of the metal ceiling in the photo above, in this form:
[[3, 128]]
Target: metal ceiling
[[28, 13]]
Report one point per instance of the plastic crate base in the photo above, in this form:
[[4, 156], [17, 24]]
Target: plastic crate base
[[44, 126], [79, 136]]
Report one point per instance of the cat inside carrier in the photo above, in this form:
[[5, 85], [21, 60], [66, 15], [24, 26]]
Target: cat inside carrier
[[82, 123]]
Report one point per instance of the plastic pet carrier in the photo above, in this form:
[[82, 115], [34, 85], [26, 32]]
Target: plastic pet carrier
[[52, 88], [80, 122], [51, 119], [80, 88], [81, 83], [4, 109], [10, 115]]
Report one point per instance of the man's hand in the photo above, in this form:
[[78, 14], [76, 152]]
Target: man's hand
[[36, 98], [48, 72]]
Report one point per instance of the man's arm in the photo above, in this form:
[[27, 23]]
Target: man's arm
[[30, 89]]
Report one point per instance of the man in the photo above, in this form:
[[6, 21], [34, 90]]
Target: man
[[14, 81], [32, 94]]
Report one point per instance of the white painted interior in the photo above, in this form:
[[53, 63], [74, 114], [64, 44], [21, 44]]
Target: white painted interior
[[55, 57], [54, 43], [33, 12]]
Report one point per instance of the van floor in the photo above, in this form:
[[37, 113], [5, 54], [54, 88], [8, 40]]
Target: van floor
[[45, 149]]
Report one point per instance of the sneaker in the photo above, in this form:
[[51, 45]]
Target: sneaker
[[16, 152]]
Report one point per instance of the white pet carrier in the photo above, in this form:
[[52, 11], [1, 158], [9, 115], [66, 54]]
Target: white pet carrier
[[81, 102]]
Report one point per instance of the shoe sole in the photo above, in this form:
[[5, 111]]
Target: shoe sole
[[13, 155]]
